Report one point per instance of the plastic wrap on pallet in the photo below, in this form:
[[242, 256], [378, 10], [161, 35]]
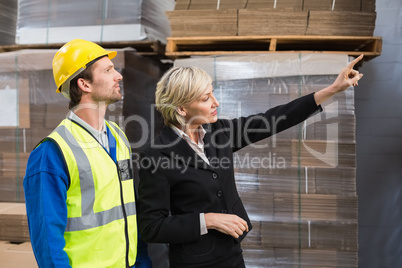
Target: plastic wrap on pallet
[[154, 19], [8, 18], [55, 21], [298, 186], [30, 109]]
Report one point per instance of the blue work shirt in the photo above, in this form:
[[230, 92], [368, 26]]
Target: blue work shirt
[[45, 186]]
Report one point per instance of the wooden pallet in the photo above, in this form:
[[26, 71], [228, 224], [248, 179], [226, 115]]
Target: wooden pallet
[[178, 47], [144, 48]]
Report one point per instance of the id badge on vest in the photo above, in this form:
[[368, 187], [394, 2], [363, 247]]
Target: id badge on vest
[[124, 166], [126, 173]]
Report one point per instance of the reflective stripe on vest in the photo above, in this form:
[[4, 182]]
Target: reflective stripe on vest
[[89, 218]]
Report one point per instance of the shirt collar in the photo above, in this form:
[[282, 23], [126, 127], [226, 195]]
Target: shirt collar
[[88, 127], [181, 133]]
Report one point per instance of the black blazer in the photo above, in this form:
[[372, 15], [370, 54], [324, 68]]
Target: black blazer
[[176, 185]]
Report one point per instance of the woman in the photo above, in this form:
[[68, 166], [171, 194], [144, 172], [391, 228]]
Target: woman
[[187, 192]]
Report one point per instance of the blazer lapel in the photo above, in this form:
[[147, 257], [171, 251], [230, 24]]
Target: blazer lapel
[[210, 150]]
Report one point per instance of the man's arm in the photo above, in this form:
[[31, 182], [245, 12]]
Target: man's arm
[[45, 188]]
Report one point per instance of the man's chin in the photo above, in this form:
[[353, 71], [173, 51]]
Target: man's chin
[[111, 101]]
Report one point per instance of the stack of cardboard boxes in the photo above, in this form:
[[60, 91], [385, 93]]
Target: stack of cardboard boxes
[[342, 23], [13, 222], [15, 248], [271, 22], [203, 22], [269, 17]]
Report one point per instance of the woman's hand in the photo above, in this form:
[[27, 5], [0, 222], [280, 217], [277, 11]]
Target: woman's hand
[[229, 224], [346, 78]]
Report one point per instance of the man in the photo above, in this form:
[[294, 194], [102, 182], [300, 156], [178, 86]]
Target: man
[[79, 188]]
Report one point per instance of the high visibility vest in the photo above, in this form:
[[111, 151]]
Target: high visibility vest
[[101, 226]]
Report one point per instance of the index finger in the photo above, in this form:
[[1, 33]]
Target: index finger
[[353, 62]]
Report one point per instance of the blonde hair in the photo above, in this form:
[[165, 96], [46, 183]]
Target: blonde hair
[[179, 86]]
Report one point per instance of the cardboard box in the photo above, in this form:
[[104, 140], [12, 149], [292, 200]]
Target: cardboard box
[[203, 22], [17, 255], [323, 153], [278, 4], [330, 5], [315, 207], [315, 258], [182, 4], [338, 22], [13, 222], [13, 165], [217, 4], [317, 5], [309, 234], [271, 22]]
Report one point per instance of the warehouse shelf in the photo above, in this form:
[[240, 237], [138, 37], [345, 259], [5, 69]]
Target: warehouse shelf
[[179, 47], [143, 47]]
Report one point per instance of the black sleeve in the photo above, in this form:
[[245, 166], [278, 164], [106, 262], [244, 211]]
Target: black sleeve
[[244, 131]]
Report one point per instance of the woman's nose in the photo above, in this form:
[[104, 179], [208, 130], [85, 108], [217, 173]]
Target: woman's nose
[[216, 102]]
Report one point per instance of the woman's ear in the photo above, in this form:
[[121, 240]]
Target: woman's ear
[[181, 110], [84, 85]]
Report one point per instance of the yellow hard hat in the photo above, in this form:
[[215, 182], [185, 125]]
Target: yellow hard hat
[[72, 58]]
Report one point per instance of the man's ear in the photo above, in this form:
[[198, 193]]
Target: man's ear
[[181, 110], [84, 85]]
